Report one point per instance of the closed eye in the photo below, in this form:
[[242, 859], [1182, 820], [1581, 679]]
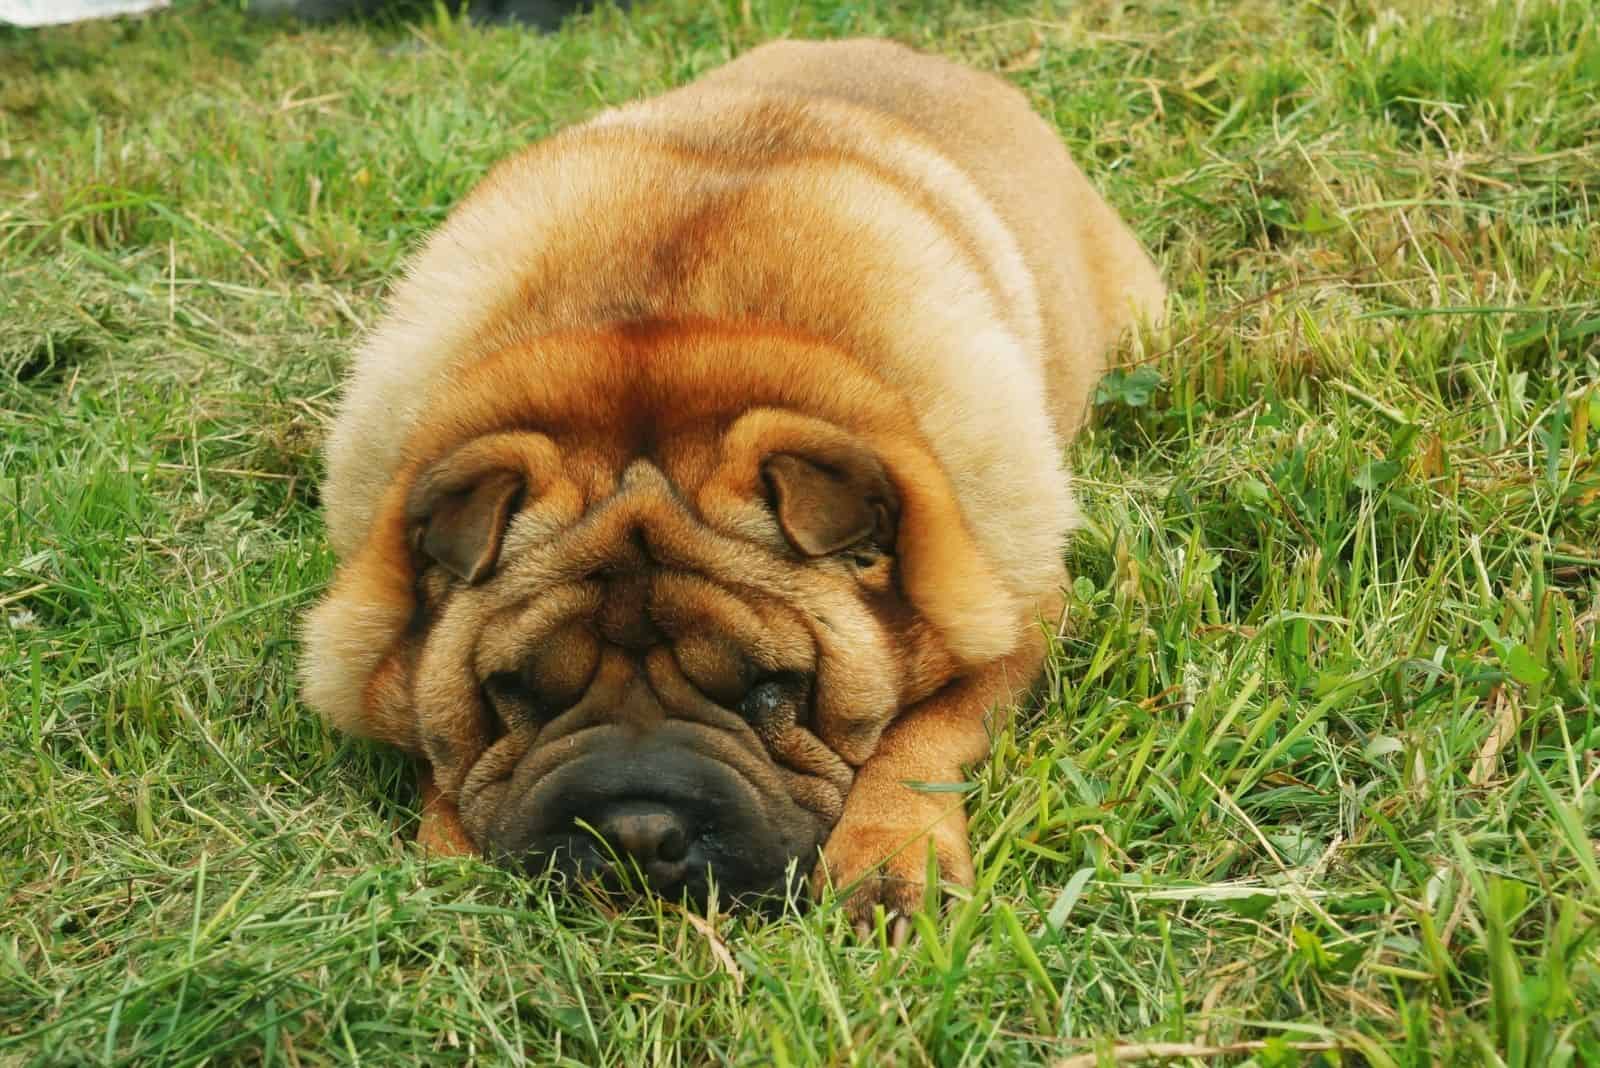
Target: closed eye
[[515, 702]]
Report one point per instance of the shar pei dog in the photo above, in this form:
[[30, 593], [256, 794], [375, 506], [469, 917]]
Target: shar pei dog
[[702, 489]]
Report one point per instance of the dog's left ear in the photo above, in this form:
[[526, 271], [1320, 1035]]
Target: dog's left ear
[[832, 499], [459, 513]]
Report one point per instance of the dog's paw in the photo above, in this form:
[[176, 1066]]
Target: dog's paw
[[887, 865], [440, 833]]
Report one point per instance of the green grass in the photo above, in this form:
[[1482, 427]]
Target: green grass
[[1317, 762]]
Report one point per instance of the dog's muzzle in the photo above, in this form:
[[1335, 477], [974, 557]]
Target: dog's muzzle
[[653, 808]]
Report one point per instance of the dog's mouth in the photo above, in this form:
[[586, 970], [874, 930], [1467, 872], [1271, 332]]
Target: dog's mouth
[[662, 811], [694, 865]]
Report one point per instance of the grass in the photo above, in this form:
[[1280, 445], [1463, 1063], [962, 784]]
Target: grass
[[1315, 776]]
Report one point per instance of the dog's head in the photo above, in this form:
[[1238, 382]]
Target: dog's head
[[652, 596]]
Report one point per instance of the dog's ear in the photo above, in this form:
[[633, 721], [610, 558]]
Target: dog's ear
[[458, 514], [832, 499]]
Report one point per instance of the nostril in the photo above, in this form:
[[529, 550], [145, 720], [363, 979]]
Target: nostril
[[673, 847]]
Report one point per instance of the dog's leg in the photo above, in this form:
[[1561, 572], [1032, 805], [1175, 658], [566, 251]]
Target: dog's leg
[[440, 832], [878, 852]]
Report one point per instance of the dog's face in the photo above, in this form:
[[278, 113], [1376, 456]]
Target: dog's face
[[633, 681], [659, 626]]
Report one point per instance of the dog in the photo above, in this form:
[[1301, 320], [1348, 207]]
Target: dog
[[702, 488]]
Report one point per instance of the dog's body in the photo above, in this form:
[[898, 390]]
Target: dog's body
[[794, 351]]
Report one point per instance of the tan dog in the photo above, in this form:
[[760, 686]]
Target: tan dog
[[703, 487]]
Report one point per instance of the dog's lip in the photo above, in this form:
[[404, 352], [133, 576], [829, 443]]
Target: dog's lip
[[585, 741], [546, 758], [658, 781]]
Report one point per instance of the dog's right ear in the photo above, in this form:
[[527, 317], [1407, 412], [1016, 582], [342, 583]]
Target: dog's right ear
[[458, 512]]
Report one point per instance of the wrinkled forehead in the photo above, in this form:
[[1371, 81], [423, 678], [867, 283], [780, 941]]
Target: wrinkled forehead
[[641, 566], [579, 523], [643, 575]]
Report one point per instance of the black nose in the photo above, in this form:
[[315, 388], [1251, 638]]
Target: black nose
[[656, 837]]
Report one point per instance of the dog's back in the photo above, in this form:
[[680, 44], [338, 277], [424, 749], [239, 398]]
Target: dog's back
[[1093, 279]]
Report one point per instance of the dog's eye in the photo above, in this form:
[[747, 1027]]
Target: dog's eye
[[508, 684], [513, 699], [761, 702], [770, 695]]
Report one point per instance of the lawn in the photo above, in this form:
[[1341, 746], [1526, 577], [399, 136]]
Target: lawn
[[1314, 775]]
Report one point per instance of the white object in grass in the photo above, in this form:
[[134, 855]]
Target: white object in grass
[[56, 12]]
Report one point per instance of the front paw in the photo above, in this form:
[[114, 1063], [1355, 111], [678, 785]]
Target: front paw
[[887, 864], [440, 833]]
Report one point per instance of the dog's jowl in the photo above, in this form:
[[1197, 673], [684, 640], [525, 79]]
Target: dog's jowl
[[702, 487]]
